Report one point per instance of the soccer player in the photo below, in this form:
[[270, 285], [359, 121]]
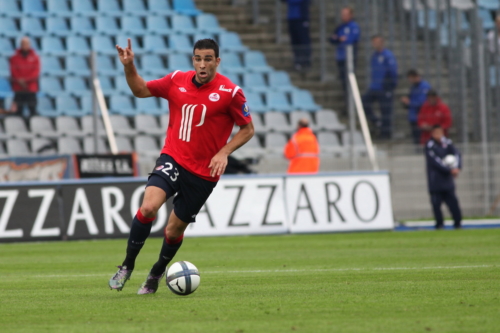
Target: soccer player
[[204, 106]]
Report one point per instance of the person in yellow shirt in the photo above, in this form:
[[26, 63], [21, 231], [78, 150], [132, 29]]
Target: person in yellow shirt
[[303, 150]]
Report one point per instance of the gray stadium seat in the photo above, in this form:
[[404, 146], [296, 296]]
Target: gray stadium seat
[[121, 126], [42, 126], [88, 146], [43, 146], [327, 120], [277, 122], [3, 152], [164, 120], [123, 144], [68, 126], [146, 145], [147, 124], [69, 146], [15, 127], [275, 143], [18, 148], [251, 149], [258, 124], [3, 135], [329, 144], [295, 116], [88, 127], [359, 143]]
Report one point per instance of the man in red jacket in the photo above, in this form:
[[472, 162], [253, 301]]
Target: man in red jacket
[[433, 112], [25, 70]]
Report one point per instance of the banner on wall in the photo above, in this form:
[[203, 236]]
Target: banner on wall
[[41, 168]]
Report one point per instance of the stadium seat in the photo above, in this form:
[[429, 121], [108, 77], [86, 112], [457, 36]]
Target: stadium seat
[[486, 18], [183, 24], [108, 25], [69, 146], [106, 83], [275, 143], [295, 116], [148, 106], [280, 81], [58, 26], [255, 82], [258, 125], [146, 145], [254, 101], [10, 8], [109, 8], [88, 125], [278, 101], [208, 23], [303, 100], [152, 64], [231, 63], [82, 26], [121, 85], [103, 45], [329, 144], [123, 144], [277, 122], [186, 7], [432, 19], [68, 126], [86, 104], [53, 46], [135, 7], [15, 127], [358, 139], [180, 43], [155, 44], [51, 66], [6, 48], [252, 149], [106, 65], [327, 120], [147, 124], [133, 25], [76, 85], [77, 45], [8, 27], [77, 65], [4, 67], [43, 147], [5, 88], [45, 107], [59, 8], [121, 126], [88, 146], [203, 35], [164, 120], [34, 8], [122, 40], [67, 105], [179, 62], [235, 78], [32, 26], [255, 61], [51, 86], [18, 148], [160, 7], [230, 41], [489, 4], [120, 104], [83, 7], [158, 25]]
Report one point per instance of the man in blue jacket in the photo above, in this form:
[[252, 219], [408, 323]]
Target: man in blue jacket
[[414, 101], [298, 27], [384, 78], [347, 33], [441, 174]]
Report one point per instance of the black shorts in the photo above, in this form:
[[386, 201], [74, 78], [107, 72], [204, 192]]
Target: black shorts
[[192, 191]]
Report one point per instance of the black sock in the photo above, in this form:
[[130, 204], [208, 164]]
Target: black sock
[[167, 253], [139, 232]]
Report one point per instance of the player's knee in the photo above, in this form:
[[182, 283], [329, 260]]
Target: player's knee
[[173, 236], [149, 210]]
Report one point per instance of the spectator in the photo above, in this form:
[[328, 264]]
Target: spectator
[[384, 75], [298, 26], [440, 174], [25, 70], [414, 101], [347, 33], [433, 112], [303, 150], [491, 36]]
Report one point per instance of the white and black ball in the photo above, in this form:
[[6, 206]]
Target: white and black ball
[[183, 278]]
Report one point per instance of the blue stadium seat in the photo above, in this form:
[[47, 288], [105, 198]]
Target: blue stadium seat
[[235, 78], [10, 8], [180, 43], [103, 45], [53, 46], [107, 86], [83, 7], [254, 101], [106, 65], [155, 44], [58, 26], [122, 41], [34, 8], [122, 104], [183, 24], [68, 105], [6, 48], [432, 18], [255, 61], [46, 107], [86, 104], [148, 106], [278, 101], [135, 7], [8, 27], [158, 25], [121, 85], [203, 35], [109, 7], [231, 63], [485, 16], [152, 64], [230, 41], [165, 107], [303, 100], [32, 26], [76, 85], [186, 7], [133, 25], [208, 23], [52, 66], [280, 80], [77, 65], [108, 25], [489, 4], [160, 7], [59, 8], [179, 62], [77, 45], [255, 82], [4, 67], [5, 88], [82, 26], [50, 85]]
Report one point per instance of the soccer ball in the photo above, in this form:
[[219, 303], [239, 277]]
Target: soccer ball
[[450, 161], [183, 278]]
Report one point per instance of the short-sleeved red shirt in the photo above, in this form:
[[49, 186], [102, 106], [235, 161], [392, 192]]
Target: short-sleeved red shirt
[[201, 119]]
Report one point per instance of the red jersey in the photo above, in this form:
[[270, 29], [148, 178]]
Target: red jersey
[[201, 119], [431, 115], [27, 68]]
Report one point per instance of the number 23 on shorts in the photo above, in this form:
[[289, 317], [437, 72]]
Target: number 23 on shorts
[[169, 166]]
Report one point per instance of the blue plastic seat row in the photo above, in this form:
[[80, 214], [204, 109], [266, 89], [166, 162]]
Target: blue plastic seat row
[[278, 101]]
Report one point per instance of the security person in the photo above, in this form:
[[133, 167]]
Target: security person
[[303, 150], [440, 176], [414, 101]]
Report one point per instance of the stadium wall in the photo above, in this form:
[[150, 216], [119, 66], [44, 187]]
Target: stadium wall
[[243, 205]]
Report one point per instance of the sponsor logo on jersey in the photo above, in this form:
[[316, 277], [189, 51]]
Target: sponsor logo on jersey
[[182, 89], [159, 167], [245, 109], [214, 97], [187, 120], [221, 88]]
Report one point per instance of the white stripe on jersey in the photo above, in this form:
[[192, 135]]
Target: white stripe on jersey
[[174, 74], [236, 90]]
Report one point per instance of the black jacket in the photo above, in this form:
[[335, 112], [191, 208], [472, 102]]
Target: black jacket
[[439, 177]]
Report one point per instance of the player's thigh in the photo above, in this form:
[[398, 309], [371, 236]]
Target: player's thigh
[[191, 197], [154, 197]]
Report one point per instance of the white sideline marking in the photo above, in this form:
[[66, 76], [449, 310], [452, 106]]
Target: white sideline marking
[[281, 271]]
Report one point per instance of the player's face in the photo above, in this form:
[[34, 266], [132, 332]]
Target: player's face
[[437, 133], [205, 64]]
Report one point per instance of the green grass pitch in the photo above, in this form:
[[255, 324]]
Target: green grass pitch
[[446, 281]]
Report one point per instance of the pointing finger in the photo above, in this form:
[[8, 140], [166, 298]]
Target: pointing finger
[[129, 43]]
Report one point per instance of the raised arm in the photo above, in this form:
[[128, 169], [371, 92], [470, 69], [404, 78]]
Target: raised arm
[[135, 81]]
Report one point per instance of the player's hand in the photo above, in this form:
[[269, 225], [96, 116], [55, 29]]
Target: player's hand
[[343, 38], [218, 164], [126, 55], [455, 172], [405, 100]]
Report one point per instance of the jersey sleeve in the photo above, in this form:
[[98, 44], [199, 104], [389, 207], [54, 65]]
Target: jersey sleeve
[[239, 109], [160, 87]]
